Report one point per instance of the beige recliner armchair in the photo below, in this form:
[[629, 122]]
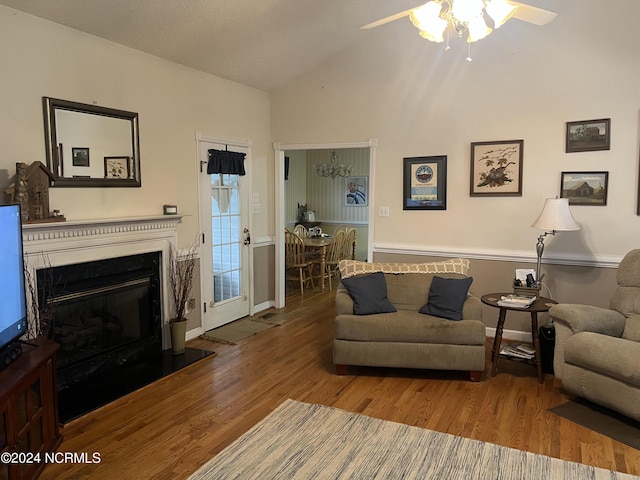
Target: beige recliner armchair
[[597, 352]]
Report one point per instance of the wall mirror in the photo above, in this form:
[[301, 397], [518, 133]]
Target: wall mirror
[[91, 146]]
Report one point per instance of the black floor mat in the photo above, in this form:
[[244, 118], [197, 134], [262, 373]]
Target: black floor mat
[[602, 420]]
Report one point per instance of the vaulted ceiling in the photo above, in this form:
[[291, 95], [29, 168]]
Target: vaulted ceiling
[[260, 43]]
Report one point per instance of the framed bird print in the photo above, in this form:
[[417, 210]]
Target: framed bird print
[[496, 168]]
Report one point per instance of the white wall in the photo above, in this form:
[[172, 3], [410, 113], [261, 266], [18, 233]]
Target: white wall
[[40, 58], [524, 82]]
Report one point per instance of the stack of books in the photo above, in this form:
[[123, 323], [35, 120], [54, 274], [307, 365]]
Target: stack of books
[[516, 301], [519, 350]]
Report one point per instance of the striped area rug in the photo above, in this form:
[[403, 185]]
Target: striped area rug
[[306, 441]]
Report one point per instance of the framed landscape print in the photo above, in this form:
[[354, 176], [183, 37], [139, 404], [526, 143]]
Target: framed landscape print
[[585, 188], [425, 183], [496, 168], [588, 135], [80, 157]]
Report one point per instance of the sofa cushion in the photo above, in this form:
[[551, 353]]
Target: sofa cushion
[[408, 327], [369, 293], [351, 268], [447, 297], [409, 291]]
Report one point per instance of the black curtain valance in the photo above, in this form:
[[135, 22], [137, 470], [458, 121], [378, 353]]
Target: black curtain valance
[[224, 161]]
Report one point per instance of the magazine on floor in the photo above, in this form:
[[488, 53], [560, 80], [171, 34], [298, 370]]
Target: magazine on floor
[[519, 350]]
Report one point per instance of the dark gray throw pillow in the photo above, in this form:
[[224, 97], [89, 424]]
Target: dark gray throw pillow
[[447, 297], [369, 294]]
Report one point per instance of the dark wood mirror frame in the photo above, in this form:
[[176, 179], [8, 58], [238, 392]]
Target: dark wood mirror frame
[[54, 161]]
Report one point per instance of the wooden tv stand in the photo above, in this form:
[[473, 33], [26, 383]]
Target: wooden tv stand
[[29, 411]]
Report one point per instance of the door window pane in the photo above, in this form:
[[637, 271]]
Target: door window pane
[[226, 236]]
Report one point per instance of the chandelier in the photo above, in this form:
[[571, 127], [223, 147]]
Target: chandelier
[[334, 168], [461, 16]]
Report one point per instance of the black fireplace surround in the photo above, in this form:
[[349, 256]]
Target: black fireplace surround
[[107, 318], [106, 314]]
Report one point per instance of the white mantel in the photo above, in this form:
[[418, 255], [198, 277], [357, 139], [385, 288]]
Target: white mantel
[[66, 243], [36, 234]]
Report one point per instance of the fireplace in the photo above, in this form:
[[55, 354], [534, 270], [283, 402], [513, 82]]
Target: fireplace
[[110, 295], [106, 313]]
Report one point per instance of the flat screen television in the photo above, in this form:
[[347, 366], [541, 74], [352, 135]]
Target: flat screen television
[[13, 304]]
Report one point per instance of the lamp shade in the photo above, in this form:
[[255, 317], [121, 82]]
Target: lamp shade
[[556, 216]]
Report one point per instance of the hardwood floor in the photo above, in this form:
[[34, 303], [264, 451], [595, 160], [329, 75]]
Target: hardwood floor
[[170, 428]]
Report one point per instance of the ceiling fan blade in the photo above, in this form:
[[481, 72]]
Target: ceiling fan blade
[[388, 19], [531, 14]]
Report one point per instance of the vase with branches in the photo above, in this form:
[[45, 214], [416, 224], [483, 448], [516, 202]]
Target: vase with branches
[[180, 269], [40, 318]]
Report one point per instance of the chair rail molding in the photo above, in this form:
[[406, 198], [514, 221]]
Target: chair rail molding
[[598, 261]]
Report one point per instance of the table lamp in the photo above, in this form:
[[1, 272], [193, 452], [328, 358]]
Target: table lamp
[[555, 217]]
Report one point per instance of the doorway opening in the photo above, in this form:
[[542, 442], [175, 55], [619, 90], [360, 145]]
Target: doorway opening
[[326, 198]]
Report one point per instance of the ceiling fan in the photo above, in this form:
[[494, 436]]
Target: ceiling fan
[[436, 17]]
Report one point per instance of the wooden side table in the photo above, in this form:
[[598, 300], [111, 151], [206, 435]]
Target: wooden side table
[[541, 304]]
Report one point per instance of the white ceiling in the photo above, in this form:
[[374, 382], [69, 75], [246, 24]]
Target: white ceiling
[[260, 43]]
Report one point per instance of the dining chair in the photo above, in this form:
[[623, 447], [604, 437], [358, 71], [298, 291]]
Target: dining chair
[[342, 227], [297, 265], [301, 231], [349, 245], [332, 257]]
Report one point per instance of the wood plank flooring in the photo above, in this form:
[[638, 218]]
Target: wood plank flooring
[[169, 429]]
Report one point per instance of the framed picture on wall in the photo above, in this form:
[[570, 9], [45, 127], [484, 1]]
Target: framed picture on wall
[[425, 183], [585, 188], [496, 168], [588, 135], [80, 156], [116, 167], [356, 193]]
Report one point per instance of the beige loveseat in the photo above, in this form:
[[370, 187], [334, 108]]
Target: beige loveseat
[[597, 351], [407, 338]]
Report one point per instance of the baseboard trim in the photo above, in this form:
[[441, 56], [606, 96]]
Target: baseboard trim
[[195, 333], [514, 335], [598, 261]]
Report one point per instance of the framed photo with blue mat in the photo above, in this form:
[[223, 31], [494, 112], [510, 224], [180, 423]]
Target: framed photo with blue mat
[[425, 183]]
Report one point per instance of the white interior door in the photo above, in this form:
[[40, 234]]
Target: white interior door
[[226, 246]]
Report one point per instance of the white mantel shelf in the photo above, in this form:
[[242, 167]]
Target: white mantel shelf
[[33, 232]]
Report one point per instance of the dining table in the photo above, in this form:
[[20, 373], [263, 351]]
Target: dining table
[[319, 245]]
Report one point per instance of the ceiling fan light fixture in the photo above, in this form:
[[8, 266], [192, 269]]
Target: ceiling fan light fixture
[[478, 29], [500, 11], [466, 10], [427, 19], [436, 17]]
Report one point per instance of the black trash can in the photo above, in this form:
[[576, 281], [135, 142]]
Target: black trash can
[[547, 334]]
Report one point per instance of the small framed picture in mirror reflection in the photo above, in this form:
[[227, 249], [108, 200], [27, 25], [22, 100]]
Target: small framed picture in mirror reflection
[[80, 156], [116, 167]]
